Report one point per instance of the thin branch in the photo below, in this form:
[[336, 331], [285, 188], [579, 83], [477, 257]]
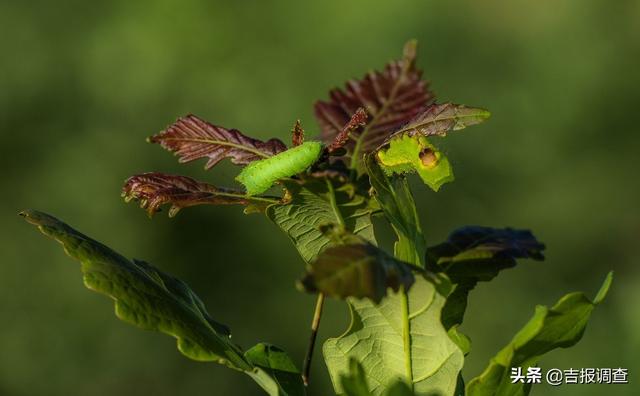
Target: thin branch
[[317, 314], [315, 324]]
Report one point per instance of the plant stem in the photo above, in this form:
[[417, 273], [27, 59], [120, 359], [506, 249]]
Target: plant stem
[[315, 324], [317, 313], [406, 335], [334, 203]]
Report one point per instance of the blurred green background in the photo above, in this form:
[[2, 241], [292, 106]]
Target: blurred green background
[[83, 83]]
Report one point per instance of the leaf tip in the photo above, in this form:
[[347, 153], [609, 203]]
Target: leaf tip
[[297, 134], [604, 289], [484, 114], [35, 217], [410, 50]]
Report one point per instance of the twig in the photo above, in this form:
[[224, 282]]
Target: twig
[[315, 324]]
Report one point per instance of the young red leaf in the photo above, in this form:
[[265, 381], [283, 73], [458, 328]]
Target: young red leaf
[[192, 138], [358, 119], [392, 98], [438, 119], [154, 190], [297, 134]]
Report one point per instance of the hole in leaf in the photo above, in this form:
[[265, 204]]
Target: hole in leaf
[[428, 157]]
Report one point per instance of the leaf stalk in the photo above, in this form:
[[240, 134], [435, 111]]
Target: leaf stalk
[[315, 325]]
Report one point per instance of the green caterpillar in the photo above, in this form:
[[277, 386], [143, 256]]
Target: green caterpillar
[[259, 176]]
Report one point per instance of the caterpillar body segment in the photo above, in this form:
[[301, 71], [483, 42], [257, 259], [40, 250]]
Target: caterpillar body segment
[[259, 176]]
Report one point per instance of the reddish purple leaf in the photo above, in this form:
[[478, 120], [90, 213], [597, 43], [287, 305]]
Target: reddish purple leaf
[[438, 119], [297, 134], [153, 190], [392, 98], [192, 138], [358, 119]]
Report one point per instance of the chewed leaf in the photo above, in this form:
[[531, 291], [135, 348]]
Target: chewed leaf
[[153, 190], [406, 154], [560, 326], [357, 270], [392, 98], [153, 300], [438, 119], [192, 138]]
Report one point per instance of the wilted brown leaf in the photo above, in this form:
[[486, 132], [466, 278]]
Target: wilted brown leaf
[[153, 190]]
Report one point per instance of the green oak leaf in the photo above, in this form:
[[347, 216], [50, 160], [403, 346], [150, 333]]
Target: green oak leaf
[[397, 203], [356, 270], [560, 326], [317, 202], [153, 300], [423, 355], [407, 154], [402, 338]]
